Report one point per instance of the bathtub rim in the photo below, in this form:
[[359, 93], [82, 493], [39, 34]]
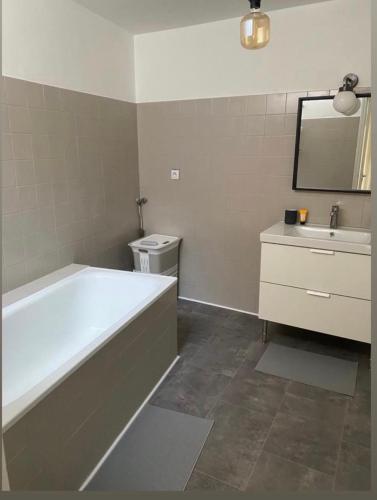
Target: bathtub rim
[[14, 411]]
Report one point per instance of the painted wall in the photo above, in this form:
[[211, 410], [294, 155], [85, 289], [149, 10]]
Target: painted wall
[[60, 43], [312, 47]]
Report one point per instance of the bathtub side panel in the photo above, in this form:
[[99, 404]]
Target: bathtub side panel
[[58, 442]]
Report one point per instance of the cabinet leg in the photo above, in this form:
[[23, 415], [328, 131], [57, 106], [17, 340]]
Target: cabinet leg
[[265, 332]]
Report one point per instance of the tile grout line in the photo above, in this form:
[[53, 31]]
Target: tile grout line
[[340, 445], [215, 479], [216, 402], [298, 463], [226, 386], [264, 442]]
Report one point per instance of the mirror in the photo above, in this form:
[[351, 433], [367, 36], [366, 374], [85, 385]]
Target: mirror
[[333, 151]]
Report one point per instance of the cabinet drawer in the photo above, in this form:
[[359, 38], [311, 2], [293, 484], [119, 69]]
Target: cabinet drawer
[[326, 271], [332, 314]]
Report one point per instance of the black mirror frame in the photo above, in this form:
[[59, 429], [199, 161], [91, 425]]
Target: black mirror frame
[[301, 100]]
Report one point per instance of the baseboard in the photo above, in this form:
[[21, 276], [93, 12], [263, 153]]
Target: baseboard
[[130, 422], [221, 307]]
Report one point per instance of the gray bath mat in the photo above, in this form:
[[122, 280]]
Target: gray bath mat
[[157, 453], [326, 372]]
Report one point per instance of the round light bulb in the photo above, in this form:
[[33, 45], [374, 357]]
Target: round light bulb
[[255, 30], [346, 102]]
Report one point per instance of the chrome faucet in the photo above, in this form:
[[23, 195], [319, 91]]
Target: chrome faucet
[[334, 216]]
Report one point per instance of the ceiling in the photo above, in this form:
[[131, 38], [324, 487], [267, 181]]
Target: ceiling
[[143, 16]]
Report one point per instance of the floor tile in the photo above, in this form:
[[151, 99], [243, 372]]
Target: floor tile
[[363, 382], [201, 482], [326, 410], [234, 444], [306, 441], [244, 322], [355, 454], [225, 352], [357, 427], [191, 390], [256, 391], [315, 393], [189, 343], [352, 478], [301, 451], [195, 323], [218, 314], [255, 352], [273, 473]]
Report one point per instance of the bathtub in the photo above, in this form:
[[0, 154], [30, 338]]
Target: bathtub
[[57, 324]]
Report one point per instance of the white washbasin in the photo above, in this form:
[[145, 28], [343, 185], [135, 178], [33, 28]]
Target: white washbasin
[[342, 239], [325, 233]]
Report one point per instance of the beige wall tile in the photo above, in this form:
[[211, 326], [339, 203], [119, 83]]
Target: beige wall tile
[[256, 104], [41, 146], [3, 95], [19, 119], [254, 124], [292, 101], [22, 146], [27, 198], [275, 124], [318, 93], [236, 177], [53, 197], [34, 95], [8, 173], [25, 172], [276, 104], [44, 194], [43, 170], [4, 119], [14, 276], [52, 98], [39, 121], [220, 106], [9, 200], [6, 147], [279, 146], [15, 92], [13, 251], [237, 106]]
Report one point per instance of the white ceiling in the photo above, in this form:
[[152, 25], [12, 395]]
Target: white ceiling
[[143, 16]]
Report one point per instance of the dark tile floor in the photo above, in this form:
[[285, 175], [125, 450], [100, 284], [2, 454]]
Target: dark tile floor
[[269, 433]]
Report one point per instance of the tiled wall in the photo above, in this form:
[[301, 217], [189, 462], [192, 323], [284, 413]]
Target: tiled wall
[[69, 180], [236, 161]]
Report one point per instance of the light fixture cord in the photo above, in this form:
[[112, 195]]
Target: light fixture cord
[[255, 4]]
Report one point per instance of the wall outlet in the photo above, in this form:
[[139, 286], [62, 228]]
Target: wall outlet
[[175, 174]]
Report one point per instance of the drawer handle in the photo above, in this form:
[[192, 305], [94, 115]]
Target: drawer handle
[[322, 252], [319, 294]]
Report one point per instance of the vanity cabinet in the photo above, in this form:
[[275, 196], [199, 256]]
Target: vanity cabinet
[[316, 289]]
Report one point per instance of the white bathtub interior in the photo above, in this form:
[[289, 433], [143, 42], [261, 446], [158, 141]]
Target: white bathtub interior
[[46, 334]]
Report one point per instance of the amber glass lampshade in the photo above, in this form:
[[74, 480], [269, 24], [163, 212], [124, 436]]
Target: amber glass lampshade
[[255, 29]]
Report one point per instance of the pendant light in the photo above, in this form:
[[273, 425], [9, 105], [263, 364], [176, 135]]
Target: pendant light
[[345, 101], [255, 27]]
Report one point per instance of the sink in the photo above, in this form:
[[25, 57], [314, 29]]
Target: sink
[[322, 237], [324, 233]]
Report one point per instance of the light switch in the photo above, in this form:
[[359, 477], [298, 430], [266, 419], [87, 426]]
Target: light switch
[[174, 175]]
